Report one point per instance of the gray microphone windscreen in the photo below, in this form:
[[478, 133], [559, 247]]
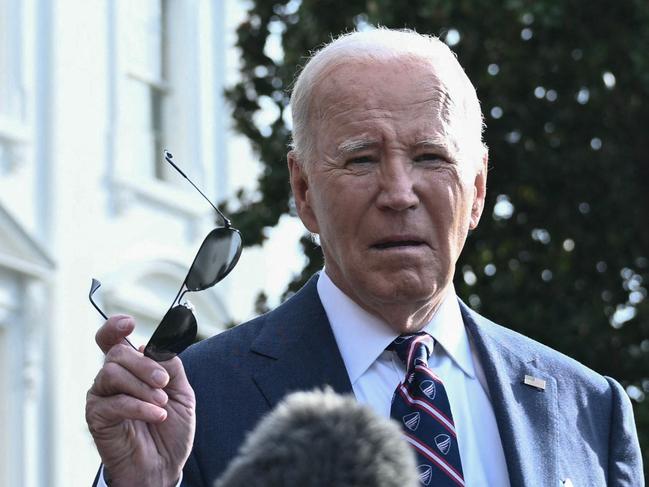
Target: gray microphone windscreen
[[322, 439]]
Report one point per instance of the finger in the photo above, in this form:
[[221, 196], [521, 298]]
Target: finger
[[102, 412], [114, 331], [143, 368], [114, 379], [178, 385]]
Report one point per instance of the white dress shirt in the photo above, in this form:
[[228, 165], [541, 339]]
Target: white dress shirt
[[375, 373]]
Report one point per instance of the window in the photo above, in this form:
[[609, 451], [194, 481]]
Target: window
[[160, 97], [146, 89]]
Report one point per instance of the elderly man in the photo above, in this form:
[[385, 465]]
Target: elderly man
[[388, 168]]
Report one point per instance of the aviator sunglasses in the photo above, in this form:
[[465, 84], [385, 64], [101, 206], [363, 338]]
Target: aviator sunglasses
[[216, 257]]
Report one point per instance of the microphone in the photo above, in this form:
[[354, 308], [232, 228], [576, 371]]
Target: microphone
[[322, 439]]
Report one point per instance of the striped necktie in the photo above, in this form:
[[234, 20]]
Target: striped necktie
[[421, 405]]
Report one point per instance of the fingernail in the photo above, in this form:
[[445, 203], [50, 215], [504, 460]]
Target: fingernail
[[160, 397], [123, 323], [159, 377]]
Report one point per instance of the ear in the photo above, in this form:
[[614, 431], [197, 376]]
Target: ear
[[302, 192], [479, 192]]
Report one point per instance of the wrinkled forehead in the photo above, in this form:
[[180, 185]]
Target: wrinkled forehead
[[409, 88], [383, 84], [372, 84]]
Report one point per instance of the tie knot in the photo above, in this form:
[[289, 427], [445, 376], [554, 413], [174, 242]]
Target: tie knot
[[413, 348]]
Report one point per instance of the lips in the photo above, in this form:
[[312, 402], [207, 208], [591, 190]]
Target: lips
[[398, 242]]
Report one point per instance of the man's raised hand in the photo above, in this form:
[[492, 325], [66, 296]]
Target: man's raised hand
[[141, 413]]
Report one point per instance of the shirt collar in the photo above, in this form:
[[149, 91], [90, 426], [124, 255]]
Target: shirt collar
[[362, 337]]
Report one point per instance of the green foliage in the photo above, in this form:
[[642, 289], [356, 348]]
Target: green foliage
[[562, 252]]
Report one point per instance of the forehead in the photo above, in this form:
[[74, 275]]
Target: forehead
[[411, 92]]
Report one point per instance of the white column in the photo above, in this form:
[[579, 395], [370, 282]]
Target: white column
[[11, 382], [35, 427]]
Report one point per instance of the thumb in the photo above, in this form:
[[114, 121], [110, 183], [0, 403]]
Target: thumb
[[113, 331]]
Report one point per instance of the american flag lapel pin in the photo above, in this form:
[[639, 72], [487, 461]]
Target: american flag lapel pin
[[534, 382]]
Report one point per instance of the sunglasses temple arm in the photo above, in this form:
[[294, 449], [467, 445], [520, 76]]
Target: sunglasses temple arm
[[92, 301], [96, 285], [98, 308], [168, 158]]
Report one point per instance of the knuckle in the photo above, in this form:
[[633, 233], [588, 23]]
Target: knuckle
[[89, 412], [110, 368], [93, 422], [94, 431], [117, 352], [99, 334], [108, 379], [97, 385], [125, 403], [92, 414], [139, 408], [90, 395]]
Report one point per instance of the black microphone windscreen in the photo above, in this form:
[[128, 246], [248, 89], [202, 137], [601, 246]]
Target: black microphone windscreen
[[322, 439]]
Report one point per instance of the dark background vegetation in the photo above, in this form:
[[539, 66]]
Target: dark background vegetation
[[562, 252]]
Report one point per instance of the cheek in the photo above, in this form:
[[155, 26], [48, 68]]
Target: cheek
[[444, 187], [344, 211], [450, 201]]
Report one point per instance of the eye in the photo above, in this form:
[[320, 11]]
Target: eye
[[429, 158], [361, 160]]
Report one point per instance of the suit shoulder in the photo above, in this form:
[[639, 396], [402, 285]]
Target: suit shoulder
[[223, 348]]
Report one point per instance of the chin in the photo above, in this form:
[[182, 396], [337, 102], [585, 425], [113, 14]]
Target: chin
[[404, 287]]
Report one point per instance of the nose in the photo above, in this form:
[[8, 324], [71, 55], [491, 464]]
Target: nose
[[397, 187]]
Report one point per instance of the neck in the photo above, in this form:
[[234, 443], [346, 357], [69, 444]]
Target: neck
[[407, 317], [404, 315]]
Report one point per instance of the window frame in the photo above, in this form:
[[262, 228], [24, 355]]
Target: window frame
[[132, 186]]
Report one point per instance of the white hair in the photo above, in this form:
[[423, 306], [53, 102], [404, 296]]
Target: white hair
[[384, 44]]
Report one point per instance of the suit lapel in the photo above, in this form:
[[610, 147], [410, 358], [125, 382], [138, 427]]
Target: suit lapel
[[526, 416], [298, 350]]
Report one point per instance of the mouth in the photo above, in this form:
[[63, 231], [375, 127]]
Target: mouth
[[398, 243]]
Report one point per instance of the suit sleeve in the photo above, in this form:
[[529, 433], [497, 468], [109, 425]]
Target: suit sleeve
[[625, 458], [191, 474]]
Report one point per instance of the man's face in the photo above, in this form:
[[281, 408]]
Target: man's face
[[389, 188]]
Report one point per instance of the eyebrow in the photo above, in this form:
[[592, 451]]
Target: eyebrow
[[355, 145], [441, 145]]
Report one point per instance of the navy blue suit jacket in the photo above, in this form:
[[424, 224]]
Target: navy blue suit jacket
[[580, 427]]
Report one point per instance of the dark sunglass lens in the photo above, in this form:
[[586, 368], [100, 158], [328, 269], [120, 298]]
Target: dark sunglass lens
[[175, 333], [217, 256]]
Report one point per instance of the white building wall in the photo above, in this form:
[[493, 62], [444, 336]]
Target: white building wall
[[79, 204]]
